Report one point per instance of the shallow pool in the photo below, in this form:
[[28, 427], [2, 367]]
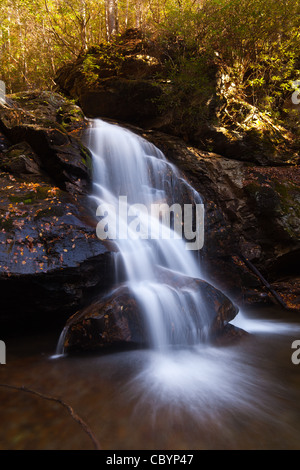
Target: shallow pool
[[245, 396]]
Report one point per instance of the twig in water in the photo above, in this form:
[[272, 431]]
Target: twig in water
[[70, 410], [264, 281]]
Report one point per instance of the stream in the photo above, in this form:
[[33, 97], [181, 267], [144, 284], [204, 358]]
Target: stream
[[239, 397]]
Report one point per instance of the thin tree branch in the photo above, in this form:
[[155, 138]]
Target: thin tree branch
[[58, 36], [279, 300], [70, 410]]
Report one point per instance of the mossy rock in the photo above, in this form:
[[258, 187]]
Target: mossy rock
[[276, 201], [20, 159], [43, 109], [68, 115], [52, 127]]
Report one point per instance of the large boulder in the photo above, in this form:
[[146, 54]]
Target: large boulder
[[115, 80], [116, 319], [122, 99]]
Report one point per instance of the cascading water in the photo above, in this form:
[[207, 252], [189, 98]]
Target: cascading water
[[130, 176]]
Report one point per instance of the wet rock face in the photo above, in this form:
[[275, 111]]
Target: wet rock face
[[116, 319], [20, 160], [50, 258], [51, 128], [49, 253], [251, 212]]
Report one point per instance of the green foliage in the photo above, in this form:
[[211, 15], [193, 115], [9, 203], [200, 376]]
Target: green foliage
[[206, 45], [100, 61], [189, 90], [255, 43]]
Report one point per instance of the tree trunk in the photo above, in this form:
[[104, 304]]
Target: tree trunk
[[84, 17], [111, 17], [126, 13], [138, 14]]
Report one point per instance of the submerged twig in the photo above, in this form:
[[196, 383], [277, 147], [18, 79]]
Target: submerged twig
[[279, 300], [70, 410]]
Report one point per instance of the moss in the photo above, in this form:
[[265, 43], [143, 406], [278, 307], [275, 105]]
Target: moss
[[49, 124], [287, 189], [26, 198], [15, 152], [53, 211], [289, 210], [41, 192], [68, 114], [86, 158], [284, 189], [252, 188], [47, 109]]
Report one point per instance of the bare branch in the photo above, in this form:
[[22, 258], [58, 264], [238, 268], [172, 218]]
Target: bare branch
[[70, 410]]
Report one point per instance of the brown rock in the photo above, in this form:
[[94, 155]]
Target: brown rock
[[44, 122], [230, 335], [116, 319], [123, 99], [113, 320]]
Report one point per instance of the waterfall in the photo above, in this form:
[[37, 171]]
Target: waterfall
[[130, 178]]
